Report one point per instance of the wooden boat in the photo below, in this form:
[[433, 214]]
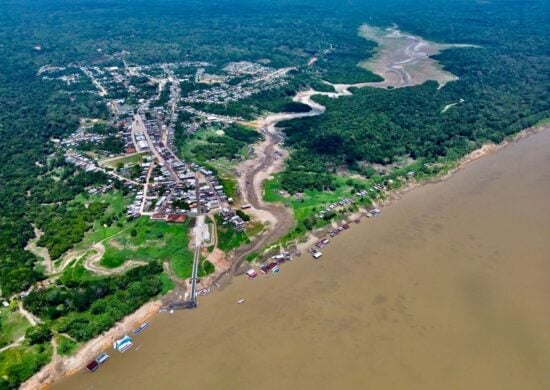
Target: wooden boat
[[141, 328]]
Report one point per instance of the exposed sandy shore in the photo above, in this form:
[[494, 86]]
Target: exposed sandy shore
[[312, 237], [61, 366], [268, 161], [394, 62], [470, 157]]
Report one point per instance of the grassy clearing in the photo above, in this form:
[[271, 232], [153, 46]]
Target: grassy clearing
[[543, 122], [117, 206], [229, 186], [167, 284], [147, 240], [198, 138], [12, 325], [228, 237], [254, 228], [311, 201], [76, 272], [206, 268]]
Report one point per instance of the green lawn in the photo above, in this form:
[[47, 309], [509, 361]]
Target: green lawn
[[76, 271], [254, 228], [206, 268], [147, 240], [198, 138], [229, 186], [167, 283], [312, 201], [117, 205], [12, 326]]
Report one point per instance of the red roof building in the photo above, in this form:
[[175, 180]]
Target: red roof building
[[176, 218]]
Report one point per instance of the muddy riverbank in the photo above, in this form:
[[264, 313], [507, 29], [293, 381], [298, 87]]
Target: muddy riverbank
[[448, 288]]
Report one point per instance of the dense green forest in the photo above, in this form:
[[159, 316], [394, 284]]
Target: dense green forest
[[505, 86], [84, 309], [505, 83]]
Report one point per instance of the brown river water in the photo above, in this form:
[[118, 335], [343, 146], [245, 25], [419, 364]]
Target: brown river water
[[448, 289]]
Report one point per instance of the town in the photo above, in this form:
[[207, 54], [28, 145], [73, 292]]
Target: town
[[144, 104]]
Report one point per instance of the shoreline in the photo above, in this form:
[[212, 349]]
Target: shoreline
[[483, 151], [394, 195], [60, 367]]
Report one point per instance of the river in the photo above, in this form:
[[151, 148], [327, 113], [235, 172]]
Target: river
[[448, 288]]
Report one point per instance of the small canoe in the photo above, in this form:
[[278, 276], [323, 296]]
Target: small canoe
[[241, 301]]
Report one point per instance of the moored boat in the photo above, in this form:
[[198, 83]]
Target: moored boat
[[92, 366], [98, 361], [123, 344], [102, 358], [141, 328]]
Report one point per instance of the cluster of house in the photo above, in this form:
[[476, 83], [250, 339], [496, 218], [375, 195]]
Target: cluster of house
[[334, 206], [210, 118], [225, 93], [230, 217], [261, 79], [141, 142], [347, 201], [272, 264], [81, 135], [68, 78], [89, 165], [82, 162], [241, 68], [171, 189], [175, 188], [101, 190]]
